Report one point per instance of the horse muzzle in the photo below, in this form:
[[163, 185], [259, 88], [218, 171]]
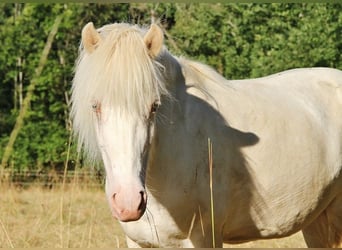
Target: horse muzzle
[[128, 207]]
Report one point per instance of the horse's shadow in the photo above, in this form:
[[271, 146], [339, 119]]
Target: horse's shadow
[[233, 186]]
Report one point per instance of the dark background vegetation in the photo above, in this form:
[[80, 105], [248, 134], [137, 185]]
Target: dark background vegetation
[[238, 40]]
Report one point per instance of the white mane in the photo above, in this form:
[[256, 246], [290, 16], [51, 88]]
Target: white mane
[[119, 73], [200, 74]]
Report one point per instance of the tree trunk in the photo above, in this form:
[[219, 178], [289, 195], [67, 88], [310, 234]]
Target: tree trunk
[[26, 102]]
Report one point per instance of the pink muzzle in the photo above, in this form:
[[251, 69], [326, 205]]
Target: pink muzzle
[[128, 206]]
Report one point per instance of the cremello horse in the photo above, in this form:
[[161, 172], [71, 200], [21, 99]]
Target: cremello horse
[[151, 118]]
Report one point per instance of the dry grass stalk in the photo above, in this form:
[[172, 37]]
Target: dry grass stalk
[[6, 233], [62, 197], [210, 152], [201, 220], [191, 225]]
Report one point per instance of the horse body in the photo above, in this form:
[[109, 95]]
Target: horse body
[[260, 184], [276, 156], [293, 152]]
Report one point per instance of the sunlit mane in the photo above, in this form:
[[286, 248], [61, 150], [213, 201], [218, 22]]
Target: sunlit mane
[[119, 73], [200, 74]]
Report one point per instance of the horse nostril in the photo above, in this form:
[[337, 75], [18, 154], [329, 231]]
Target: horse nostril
[[113, 201], [142, 204]]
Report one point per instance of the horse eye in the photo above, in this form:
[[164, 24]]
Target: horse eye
[[96, 106], [154, 107]]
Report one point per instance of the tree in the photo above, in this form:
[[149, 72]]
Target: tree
[[43, 140], [238, 40], [251, 40]]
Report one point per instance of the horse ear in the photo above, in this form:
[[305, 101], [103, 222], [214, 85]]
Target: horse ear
[[154, 39], [90, 37]]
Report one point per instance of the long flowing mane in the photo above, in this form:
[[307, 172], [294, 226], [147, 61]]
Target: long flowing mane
[[119, 73]]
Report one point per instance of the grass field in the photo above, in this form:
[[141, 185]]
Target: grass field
[[75, 217]]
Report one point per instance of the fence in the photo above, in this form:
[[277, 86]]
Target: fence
[[52, 178]]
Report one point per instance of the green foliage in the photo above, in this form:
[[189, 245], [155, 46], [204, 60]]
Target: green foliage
[[251, 40], [239, 40]]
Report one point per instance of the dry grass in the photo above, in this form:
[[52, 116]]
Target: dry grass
[[77, 217], [51, 218], [294, 241]]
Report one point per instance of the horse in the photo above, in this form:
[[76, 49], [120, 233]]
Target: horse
[[195, 160]]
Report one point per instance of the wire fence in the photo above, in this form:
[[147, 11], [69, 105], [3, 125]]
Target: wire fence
[[52, 178]]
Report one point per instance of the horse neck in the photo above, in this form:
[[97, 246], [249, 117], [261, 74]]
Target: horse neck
[[169, 118]]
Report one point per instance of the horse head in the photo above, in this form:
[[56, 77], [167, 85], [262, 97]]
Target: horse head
[[116, 92]]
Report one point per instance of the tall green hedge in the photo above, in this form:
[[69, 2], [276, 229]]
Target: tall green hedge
[[239, 40]]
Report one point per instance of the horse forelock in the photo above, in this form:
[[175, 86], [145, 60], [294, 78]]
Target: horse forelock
[[119, 73]]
